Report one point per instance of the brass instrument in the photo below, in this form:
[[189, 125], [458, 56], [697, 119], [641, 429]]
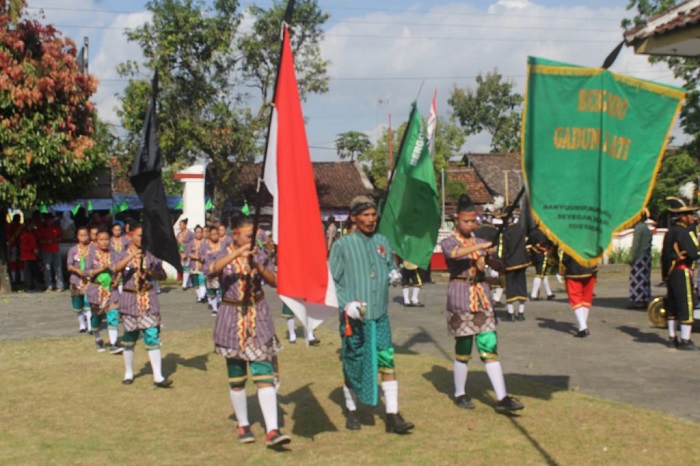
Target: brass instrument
[[657, 312]]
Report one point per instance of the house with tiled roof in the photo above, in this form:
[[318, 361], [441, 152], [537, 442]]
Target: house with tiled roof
[[500, 173], [473, 185], [675, 32]]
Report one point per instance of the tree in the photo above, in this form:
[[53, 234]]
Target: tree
[[685, 69], [216, 82], [352, 144], [47, 124], [492, 107], [676, 170]]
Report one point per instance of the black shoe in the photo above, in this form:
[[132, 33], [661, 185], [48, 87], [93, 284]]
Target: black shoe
[[687, 345], [352, 421], [418, 304], [396, 424], [165, 383], [408, 305], [314, 342], [82, 330], [673, 342], [508, 405], [582, 333], [275, 438], [127, 381], [464, 402], [511, 318], [550, 297], [537, 298], [521, 316]]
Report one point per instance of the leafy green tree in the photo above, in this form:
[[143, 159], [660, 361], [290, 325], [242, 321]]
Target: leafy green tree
[[47, 123], [685, 69], [216, 81], [676, 170], [491, 107], [352, 144]]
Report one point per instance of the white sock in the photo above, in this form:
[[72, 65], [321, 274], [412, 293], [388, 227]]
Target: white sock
[[185, 279], [547, 289], [585, 314], [685, 331], [406, 297], [81, 320], [113, 335], [414, 298], [120, 288], [156, 364], [391, 395], [310, 335], [560, 279], [521, 308], [291, 329], [267, 397], [535, 287], [214, 302], [201, 291], [156, 285], [460, 370], [509, 306], [239, 401], [580, 313], [88, 315], [495, 373], [350, 398], [497, 293], [671, 328], [128, 363]]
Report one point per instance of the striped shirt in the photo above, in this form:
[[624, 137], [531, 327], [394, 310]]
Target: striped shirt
[[360, 266]]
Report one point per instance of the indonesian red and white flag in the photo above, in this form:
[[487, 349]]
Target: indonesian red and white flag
[[432, 125], [304, 281]]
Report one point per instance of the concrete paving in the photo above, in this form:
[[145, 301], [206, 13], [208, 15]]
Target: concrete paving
[[624, 359]]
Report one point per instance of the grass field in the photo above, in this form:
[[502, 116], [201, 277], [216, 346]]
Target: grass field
[[62, 403]]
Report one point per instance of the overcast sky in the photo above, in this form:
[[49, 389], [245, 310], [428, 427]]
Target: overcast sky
[[383, 53]]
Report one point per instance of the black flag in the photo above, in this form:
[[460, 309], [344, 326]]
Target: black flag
[[158, 234]]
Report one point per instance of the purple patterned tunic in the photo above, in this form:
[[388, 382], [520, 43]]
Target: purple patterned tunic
[[77, 257], [100, 298], [139, 308], [469, 310]]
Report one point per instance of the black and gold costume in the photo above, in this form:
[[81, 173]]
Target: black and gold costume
[[678, 257]]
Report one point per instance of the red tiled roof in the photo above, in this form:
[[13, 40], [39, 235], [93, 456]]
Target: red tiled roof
[[681, 16], [476, 189], [496, 170]]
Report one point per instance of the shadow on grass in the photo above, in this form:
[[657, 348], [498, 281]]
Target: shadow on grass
[[478, 383], [172, 360], [618, 302], [309, 417], [365, 413], [642, 337], [566, 327], [422, 336]]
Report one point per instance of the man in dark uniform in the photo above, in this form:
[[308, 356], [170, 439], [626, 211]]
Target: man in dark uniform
[[540, 246], [488, 231], [513, 253], [678, 257]]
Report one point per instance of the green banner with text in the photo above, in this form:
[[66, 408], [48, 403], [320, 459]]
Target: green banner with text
[[592, 145]]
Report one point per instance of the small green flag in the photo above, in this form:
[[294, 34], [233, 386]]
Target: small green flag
[[246, 209], [75, 209], [410, 217], [178, 206], [43, 209], [124, 206], [209, 205], [89, 206]]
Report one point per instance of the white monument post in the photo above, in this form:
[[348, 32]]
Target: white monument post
[[193, 202]]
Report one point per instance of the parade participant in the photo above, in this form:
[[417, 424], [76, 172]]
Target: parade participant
[[196, 261], [513, 252], [488, 231], [362, 265], [49, 234], [410, 284], [93, 235], [640, 260], [184, 238], [678, 256], [291, 329], [210, 251], [139, 307], [99, 269], [118, 243], [539, 247], [76, 261], [470, 315], [244, 332], [580, 282]]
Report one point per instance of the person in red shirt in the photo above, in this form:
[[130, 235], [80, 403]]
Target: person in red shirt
[[28, 255], [49, 236]]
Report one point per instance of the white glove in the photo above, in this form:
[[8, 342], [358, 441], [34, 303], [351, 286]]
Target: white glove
[[352, 309], [394, 277]]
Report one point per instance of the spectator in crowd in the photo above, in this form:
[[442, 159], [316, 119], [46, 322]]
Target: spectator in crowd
[[49, 235], [29, 256]]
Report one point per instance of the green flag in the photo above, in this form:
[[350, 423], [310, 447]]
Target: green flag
[[89, 206], [245, 209], [75, 209], [593, 141], [43, 209], [410, 217], [209, 205], [178, 206], [124, 206]]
